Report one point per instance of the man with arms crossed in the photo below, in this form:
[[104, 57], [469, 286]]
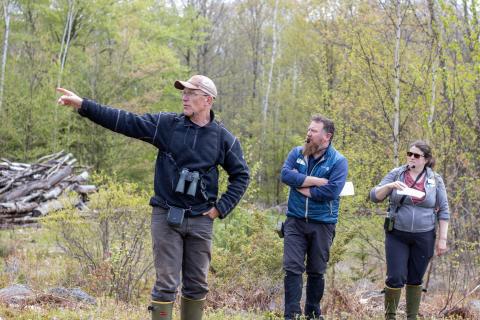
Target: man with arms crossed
[[315, 173]]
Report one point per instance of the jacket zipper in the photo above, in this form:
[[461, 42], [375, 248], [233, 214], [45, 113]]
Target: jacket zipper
[[413, 218], [195, 139], [425, 199], [306, 209], [306, 198]]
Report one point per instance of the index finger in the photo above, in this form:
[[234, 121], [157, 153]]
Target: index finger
[[65, 91]]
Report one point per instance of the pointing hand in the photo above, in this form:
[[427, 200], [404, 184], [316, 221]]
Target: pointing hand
[[69, 99]]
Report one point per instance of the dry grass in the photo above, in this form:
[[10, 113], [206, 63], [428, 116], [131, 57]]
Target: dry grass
[[32, 259]]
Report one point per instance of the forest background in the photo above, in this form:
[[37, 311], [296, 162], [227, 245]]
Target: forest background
[[387, 72]]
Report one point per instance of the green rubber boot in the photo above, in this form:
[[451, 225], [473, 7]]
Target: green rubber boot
[[413, 296], [392, 298], [161, 310], [191, 309]]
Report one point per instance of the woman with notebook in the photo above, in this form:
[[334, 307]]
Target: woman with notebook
[[417, 200]]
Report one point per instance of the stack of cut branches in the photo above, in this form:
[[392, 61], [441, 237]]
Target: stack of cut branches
[[29, 191]]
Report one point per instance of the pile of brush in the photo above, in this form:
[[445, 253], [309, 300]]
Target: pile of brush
[[29, 191]]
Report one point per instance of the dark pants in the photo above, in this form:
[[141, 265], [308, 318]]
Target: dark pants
[[408, 255], [306, 248], [181, 253]]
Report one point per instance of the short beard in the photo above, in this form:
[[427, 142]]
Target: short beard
[[310, 149]]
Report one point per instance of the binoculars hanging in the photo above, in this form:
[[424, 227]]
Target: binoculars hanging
[[192, 177]]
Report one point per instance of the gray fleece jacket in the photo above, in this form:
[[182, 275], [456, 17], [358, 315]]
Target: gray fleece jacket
[[418, 217]]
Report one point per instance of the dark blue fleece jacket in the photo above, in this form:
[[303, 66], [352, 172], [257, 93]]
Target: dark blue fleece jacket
[[182, 144]]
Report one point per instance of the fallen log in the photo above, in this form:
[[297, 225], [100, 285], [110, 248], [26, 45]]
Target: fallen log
[[81, 178], [17, 207], [30, 197], [29, 191], [56, 191], [24, 220], [46, 207], [85, 189], [44, 184], [9, 216]]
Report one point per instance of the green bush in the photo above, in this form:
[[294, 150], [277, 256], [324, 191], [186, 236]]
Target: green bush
[[246, 269], [111, 240]]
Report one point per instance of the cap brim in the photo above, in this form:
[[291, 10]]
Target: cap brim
[[180, 85]]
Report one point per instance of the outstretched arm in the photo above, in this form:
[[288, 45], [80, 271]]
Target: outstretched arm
[[143, 127]]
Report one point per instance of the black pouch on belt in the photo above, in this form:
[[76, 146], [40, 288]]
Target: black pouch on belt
[[279, 229], [388, 224], [175, 216]]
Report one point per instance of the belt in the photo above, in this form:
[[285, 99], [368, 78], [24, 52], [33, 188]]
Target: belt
[[188, 212]]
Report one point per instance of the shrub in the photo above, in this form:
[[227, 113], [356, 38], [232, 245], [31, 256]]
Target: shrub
[[247, 261], [110, 240]]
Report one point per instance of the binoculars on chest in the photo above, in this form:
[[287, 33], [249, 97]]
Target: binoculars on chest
[[190, 176]]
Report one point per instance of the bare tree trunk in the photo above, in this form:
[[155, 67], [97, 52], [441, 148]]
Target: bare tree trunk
[[437, 57], [396, 119], [272, 64], [66, 40], [6, 14], [431, 115], [254, 32], [63, 58]]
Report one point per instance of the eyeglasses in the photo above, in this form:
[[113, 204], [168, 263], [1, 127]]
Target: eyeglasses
[[415, 155], [191, 94]]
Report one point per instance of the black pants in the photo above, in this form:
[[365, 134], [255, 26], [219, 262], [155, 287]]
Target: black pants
[[305, 242], [408, 255]]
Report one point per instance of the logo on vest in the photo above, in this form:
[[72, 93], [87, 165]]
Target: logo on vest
[[300, 161]]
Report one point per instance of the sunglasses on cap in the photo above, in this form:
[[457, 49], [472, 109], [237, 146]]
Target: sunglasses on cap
[[415, 155]]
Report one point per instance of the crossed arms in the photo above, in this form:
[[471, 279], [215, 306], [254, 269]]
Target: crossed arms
[[316, 188]]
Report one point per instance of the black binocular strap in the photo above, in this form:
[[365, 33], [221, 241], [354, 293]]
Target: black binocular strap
[[414, 183], [176, 120]]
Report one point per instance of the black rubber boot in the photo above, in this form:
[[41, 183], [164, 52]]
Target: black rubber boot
[[293, 293], [413, 296], [392, 298], [191, 309], [161, 310], [315, 288]]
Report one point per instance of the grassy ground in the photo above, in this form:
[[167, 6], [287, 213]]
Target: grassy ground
[[32, 257], [106, 310]]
